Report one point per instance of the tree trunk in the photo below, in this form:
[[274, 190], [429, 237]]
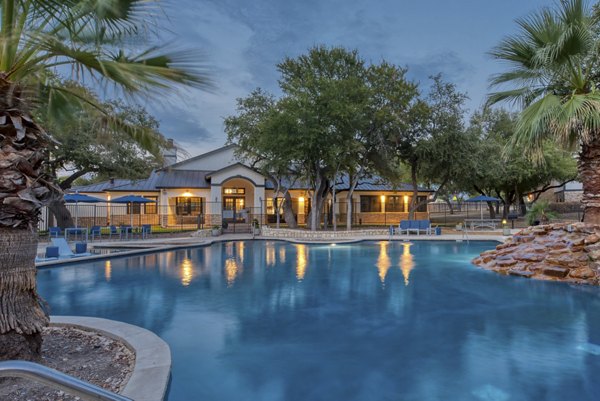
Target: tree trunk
[[413, 201], [349, 205], [450, 205], [492, 210], [61, 213], [277, 209], [522, 206], [589, 171], [288, 212], [24, 189], [21, 317]]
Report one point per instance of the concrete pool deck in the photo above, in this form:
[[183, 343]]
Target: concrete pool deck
[[150, 377], [151, 245]]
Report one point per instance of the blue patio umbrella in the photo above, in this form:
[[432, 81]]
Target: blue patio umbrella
[[131, 199], [483, 198], [77, 198]]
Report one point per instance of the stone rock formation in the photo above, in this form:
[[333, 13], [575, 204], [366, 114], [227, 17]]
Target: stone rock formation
[[560, 252]]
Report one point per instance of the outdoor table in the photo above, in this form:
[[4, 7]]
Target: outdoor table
[[76, 231], [473, 224]]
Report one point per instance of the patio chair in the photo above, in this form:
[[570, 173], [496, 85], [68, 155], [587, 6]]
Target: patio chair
[[112, 230], [51, 254], [96, 231], [81, 249], [125, 230], [146, 230], [54, 232]]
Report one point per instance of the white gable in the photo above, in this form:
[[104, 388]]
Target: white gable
[[237, 171], [211, 161]]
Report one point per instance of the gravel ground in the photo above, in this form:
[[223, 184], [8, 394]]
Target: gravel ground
[[84, 354]]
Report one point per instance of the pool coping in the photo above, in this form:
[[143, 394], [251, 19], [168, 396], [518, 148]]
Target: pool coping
[[192, 242], [150, 377]]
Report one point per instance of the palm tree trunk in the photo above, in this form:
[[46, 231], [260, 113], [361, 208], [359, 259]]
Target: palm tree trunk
[[21, 317], [24, 189], [589, 171]]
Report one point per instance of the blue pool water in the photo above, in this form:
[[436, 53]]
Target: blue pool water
[[370, 321]]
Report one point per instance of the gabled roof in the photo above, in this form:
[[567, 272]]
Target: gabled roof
[[231, 166], [202, 156]]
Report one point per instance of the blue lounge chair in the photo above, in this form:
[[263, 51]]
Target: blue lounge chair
[[96, 231], [54, 232], [404, 226], [51, 254], [81, 249]]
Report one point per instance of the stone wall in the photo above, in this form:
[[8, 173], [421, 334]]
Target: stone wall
[[561, 252], [202, 233], [317, 235]]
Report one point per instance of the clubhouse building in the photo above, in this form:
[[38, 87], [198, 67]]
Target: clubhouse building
[[217, 187]]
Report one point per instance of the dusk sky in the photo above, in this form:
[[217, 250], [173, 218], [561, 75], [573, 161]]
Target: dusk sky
[[244, 40]]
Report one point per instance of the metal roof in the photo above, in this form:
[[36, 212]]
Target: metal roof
[[377, 184], [100, 186], [365, 184], [183, 179], [148, 184]]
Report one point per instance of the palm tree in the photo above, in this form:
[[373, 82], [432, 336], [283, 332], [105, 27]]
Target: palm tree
[[554, 76], [94, 39]]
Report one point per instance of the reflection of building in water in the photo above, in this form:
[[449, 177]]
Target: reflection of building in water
[[107, 270], [232, 270], [383, 261], [407, 262], [186, 271], [282, 254], [270, 254], [301, 260]]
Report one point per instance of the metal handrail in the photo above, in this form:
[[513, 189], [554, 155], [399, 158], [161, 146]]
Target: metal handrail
[[58, 380]]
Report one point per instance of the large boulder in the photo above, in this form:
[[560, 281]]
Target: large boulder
[[561, 252]]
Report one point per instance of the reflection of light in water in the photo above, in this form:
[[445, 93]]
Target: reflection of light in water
[[187, 272], [229, 249], [107, 270], [383, 261], [301, 261], [270, 254], [231, 271], [240, 251], [406, 262], [282, 254]]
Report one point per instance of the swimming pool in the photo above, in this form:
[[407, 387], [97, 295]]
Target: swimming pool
[[267, 320]]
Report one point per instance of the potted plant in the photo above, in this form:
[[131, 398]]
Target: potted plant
[[216, 231], [540, 213], [256, 227]]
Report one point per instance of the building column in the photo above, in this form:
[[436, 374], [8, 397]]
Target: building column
[[260, 203], [215, 206]]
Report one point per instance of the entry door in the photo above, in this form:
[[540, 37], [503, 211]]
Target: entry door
[[233, 208], [233, 203]]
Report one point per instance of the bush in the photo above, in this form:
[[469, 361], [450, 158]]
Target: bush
[[540, 212]]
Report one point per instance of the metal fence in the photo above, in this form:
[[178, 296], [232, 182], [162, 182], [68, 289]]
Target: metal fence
[[170, 218]]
